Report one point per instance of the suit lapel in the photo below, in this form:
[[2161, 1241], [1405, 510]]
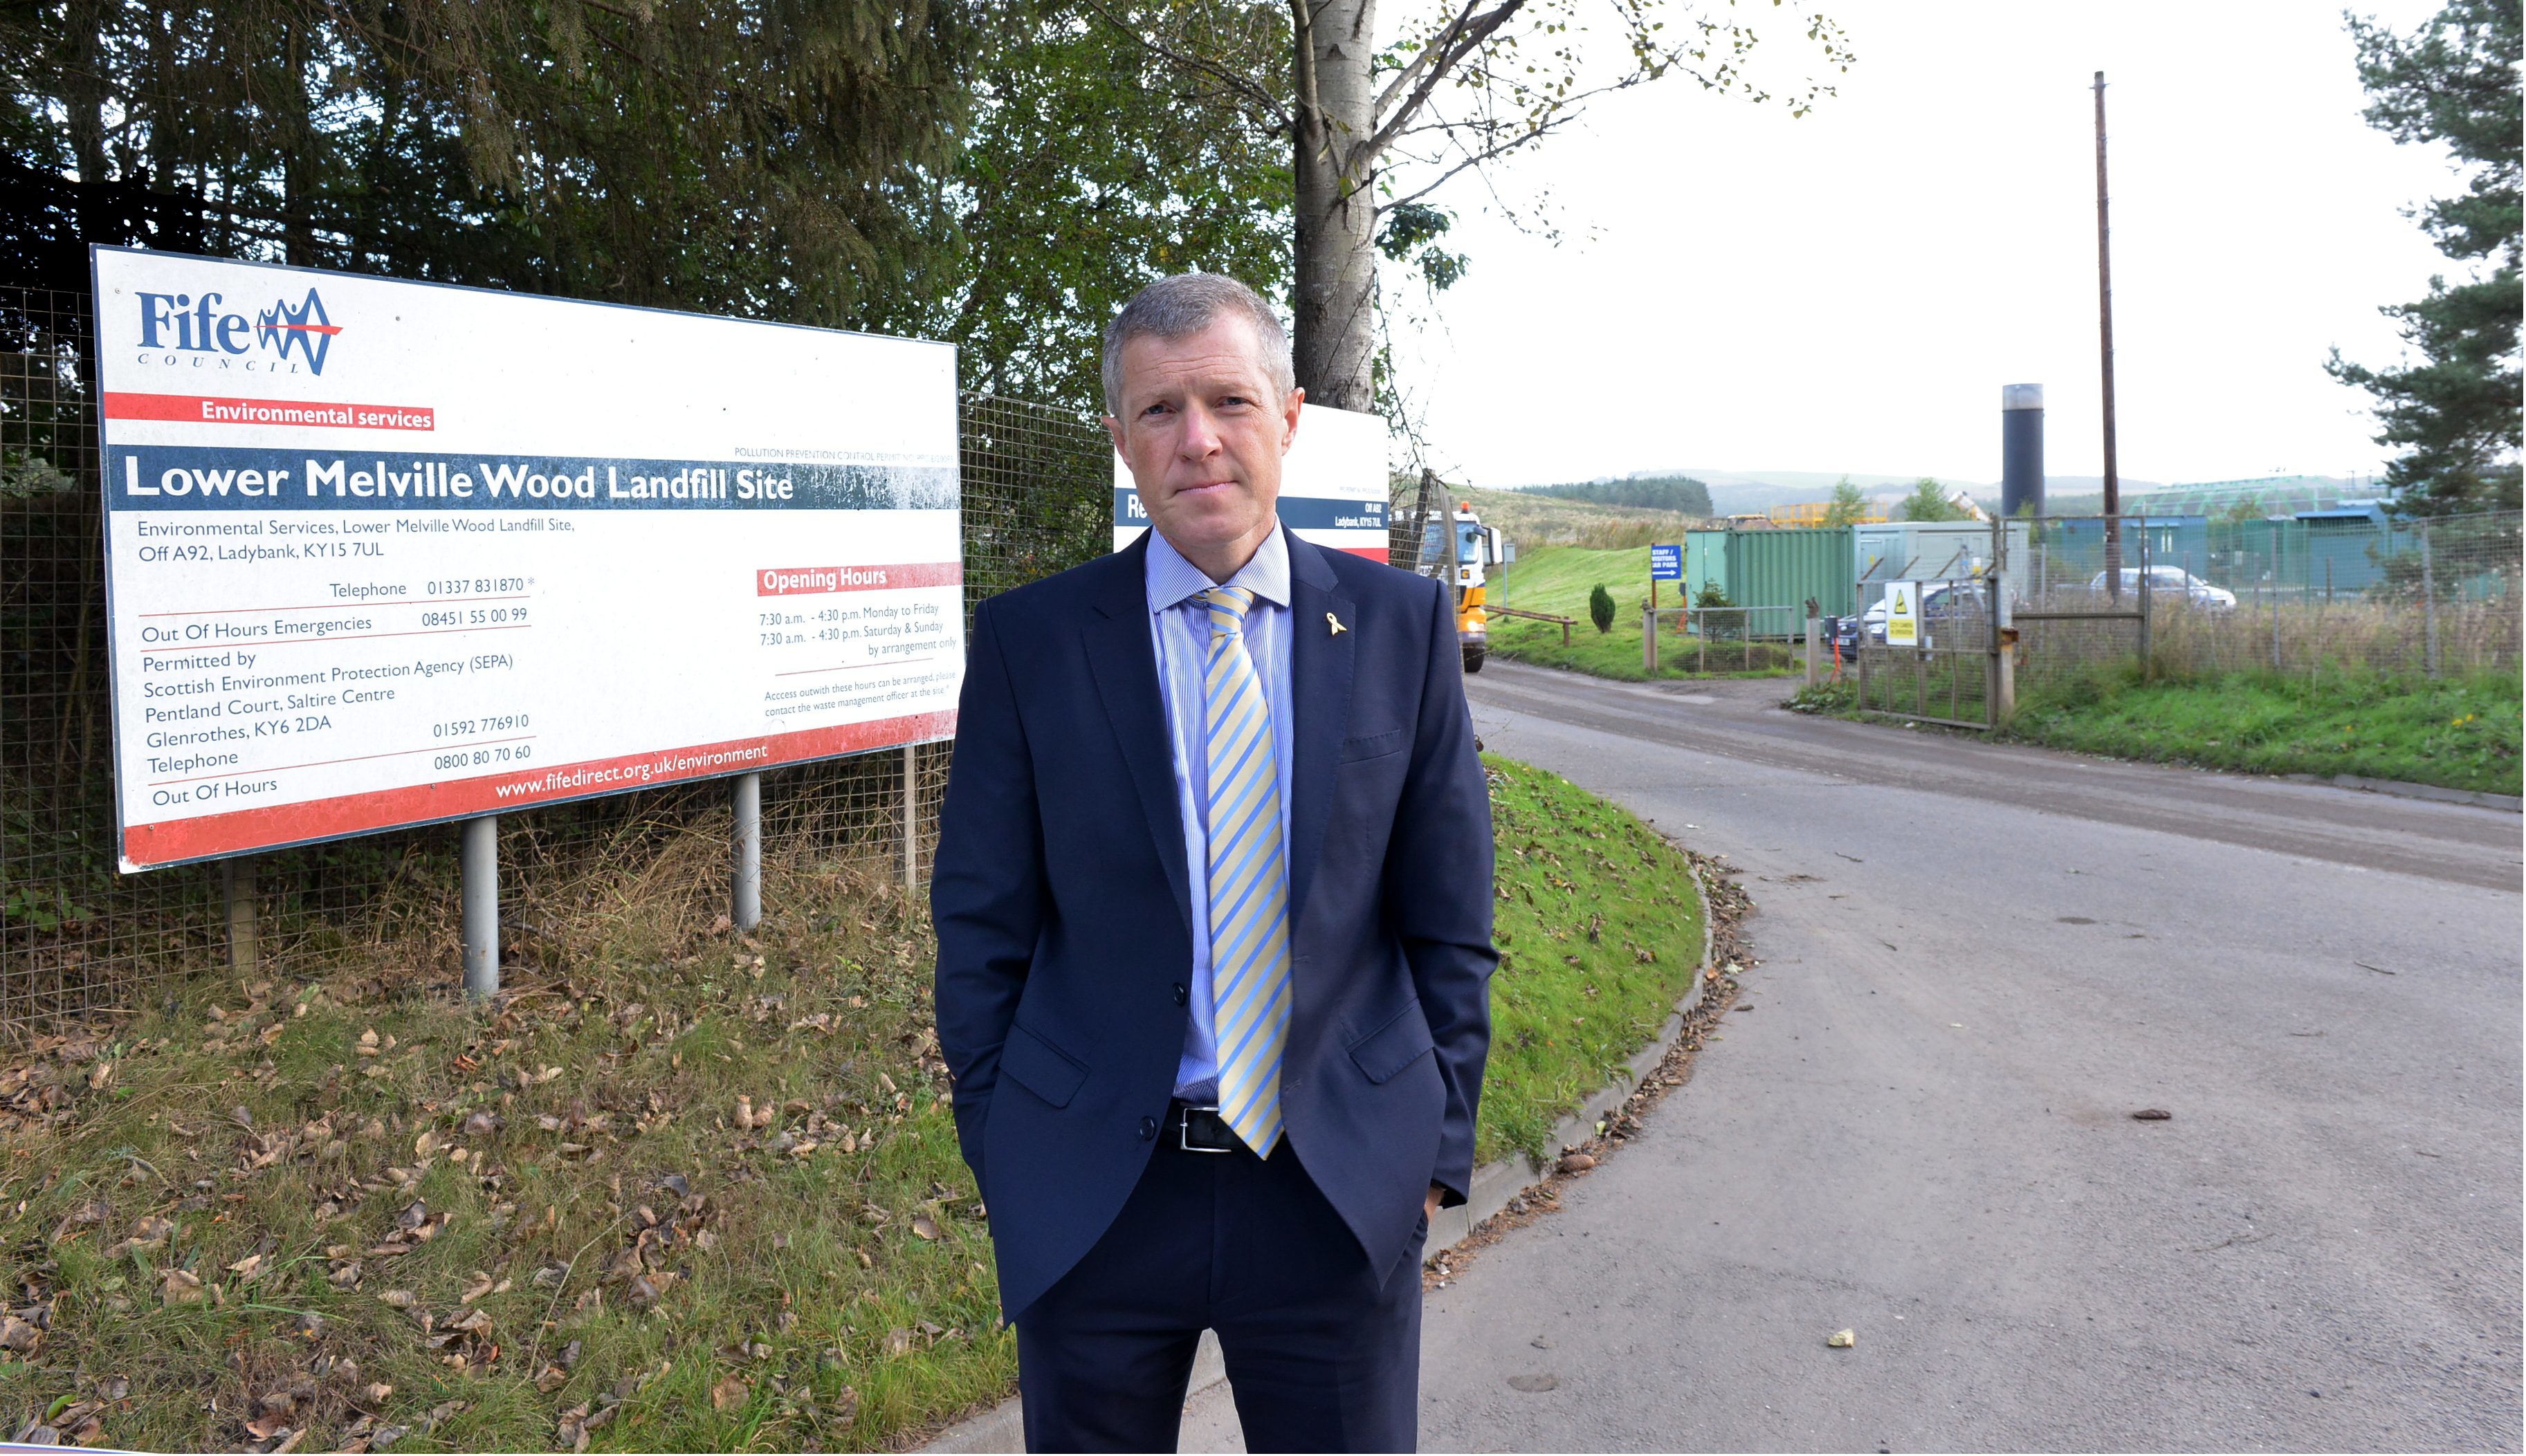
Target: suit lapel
[[1125, 667], [1319, 677]]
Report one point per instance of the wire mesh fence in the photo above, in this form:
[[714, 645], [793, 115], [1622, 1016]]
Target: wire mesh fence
[[2351, 589], [77, 937]]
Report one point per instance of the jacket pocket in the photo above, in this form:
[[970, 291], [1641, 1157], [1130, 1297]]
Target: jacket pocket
[[1374, 745], [1040, 1066], [1400, 1042]]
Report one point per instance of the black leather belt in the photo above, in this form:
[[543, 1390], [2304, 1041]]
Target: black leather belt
[[1199, 1128]]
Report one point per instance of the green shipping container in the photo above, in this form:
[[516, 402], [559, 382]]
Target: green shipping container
[[1773, 572]]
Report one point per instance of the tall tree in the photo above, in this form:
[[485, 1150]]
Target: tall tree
[[1053, 237], [1376, 128], [2453, 412], [1932, 501], [1847, 504], [713, 154]]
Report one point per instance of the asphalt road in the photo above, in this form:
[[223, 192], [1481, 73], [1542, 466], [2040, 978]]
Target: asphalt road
[[1977, 961]]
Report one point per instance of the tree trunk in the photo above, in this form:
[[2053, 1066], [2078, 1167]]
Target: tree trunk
[[1335, 291]]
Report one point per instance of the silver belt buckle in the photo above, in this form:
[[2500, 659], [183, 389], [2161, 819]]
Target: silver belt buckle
[[1184, 1130]]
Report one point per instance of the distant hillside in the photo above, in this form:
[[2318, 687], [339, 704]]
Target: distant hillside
[[1533, 520], [1681, 493]]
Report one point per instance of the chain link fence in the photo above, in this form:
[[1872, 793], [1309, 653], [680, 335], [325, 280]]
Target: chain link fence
[[77, 937], [2351, 589]]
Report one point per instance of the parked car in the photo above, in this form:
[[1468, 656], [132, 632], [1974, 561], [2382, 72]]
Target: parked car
[[1946, 604], [2171, 581]]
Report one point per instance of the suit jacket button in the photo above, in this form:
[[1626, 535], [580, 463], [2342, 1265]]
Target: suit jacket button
[[1148, 1130], [1181, 996]]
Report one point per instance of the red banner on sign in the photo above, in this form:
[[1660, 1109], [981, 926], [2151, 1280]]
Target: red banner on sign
[[199, 409]]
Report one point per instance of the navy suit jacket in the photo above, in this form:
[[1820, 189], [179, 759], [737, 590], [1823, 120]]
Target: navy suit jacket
[[1065, 944]]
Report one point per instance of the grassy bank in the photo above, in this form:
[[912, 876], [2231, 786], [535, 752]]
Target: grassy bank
[[695, 1192], [2457, 732], [1599, 931], [1557, 580]]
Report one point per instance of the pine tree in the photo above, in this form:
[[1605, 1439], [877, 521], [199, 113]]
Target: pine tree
[[2453, 412]]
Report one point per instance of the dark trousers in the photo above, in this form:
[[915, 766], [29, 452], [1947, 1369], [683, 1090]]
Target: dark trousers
[[1323, 1353]]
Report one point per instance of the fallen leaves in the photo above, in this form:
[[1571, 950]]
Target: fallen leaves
[[1841, 1340]]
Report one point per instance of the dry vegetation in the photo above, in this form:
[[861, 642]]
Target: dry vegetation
[[697, 1190], [674, 1188], [1534, 521]]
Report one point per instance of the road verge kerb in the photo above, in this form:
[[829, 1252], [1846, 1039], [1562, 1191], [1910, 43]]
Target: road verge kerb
[[1003, 1427]]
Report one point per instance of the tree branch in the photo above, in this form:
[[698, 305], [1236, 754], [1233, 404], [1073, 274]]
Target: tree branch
[[1252, 94], [1469, 36]]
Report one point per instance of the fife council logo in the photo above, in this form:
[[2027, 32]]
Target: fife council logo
[[182, 324]]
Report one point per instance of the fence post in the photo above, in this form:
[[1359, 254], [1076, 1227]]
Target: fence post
[[1813, 666], [2145, 604], [237, 887], [746, 882], [2274, 596], [2429, 602], [910, 820], [479, 865], [1649, 640]]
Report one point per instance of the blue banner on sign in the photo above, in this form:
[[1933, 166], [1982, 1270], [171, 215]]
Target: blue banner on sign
[[1666, 563]]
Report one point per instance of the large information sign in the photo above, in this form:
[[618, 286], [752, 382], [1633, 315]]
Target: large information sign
[[1332, 484], [381, 553]]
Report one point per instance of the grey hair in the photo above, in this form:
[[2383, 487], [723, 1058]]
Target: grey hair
[[1184, 304]]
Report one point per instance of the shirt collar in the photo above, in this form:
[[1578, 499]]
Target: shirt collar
[[1172, 580]]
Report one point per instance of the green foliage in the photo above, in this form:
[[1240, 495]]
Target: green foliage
[[1054, 234], [2458, 732], [1930, 501], [1711, 594], [2245, 508], [1847, 504], [1601, 608], [2454, 412], [1598, 928], [1410, 233], [1681, 493], [696, 155], [864, 163]]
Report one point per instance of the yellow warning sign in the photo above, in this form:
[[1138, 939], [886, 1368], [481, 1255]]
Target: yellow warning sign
[[1902, 614]]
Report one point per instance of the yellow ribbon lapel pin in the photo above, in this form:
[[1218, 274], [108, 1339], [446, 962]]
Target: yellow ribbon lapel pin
[[1335, 624]]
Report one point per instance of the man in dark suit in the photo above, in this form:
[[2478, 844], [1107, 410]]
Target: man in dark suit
[[1213, 899]]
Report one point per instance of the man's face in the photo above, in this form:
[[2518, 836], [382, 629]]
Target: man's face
[[1203, 431]]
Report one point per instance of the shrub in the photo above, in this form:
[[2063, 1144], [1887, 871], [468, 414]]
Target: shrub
[[1601, 608]]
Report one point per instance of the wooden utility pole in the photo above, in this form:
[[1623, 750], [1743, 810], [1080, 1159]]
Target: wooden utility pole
[[2106, 350]]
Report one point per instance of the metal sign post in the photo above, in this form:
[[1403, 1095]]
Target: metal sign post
[[746, 883], [1666, 564], [480, 866]]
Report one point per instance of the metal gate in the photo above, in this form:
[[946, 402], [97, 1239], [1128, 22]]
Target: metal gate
[[1974, 587], [1947, 674]]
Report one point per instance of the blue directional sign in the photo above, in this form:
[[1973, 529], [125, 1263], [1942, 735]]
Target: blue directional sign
[[1666, 563]]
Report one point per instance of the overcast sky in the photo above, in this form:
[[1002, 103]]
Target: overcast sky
[[1741, 289]]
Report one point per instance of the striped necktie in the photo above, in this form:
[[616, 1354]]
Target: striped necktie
[[1250, 889]]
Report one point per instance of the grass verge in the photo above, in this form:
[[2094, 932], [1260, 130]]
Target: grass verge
[[1558, 579], [1599, 931], [677, 1190], [2455, 732]]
